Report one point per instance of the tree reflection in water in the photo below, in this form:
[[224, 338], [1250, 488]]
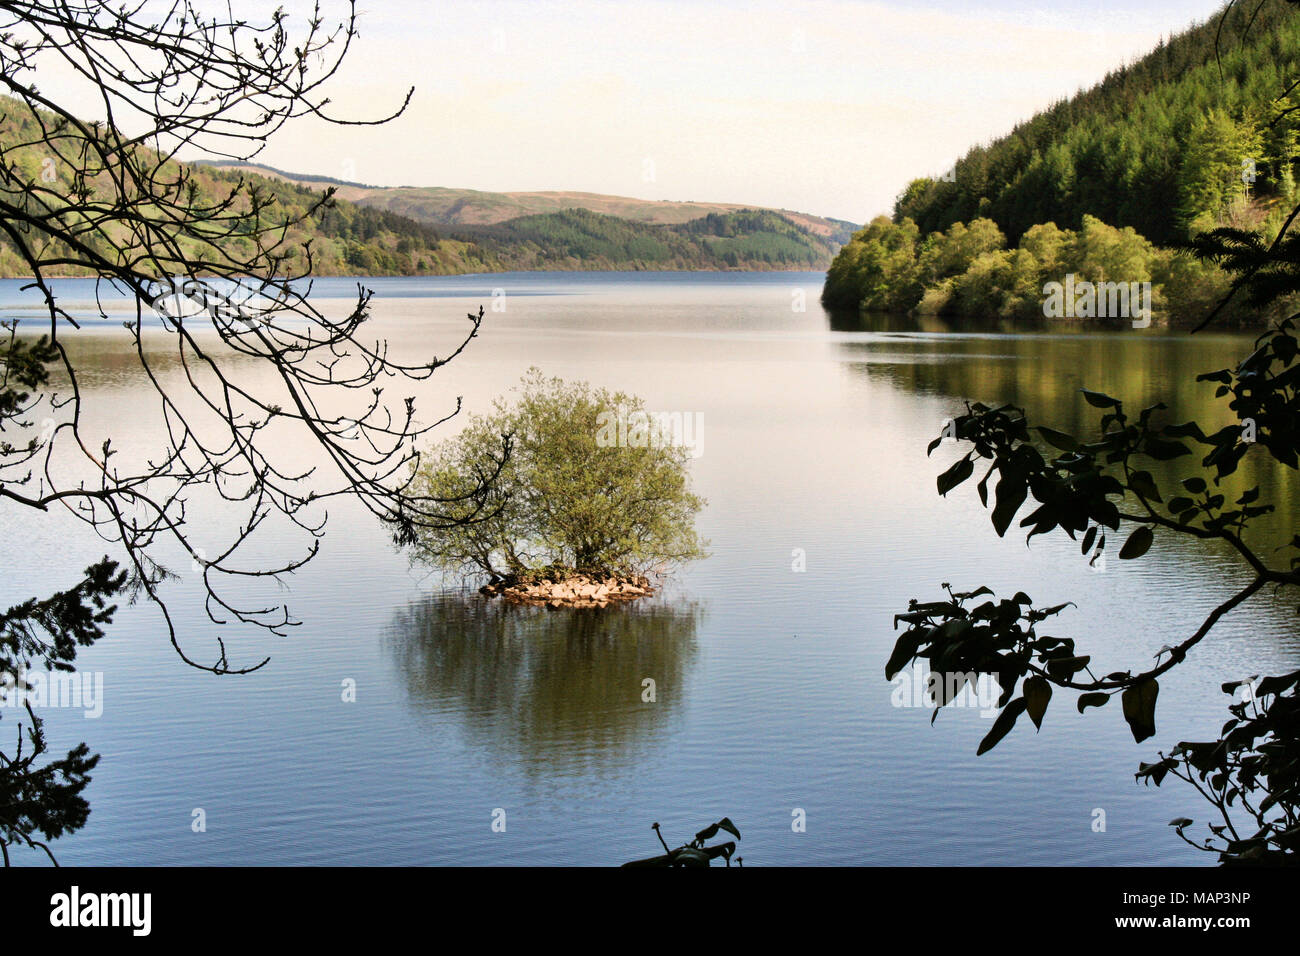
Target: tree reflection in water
[[556, 689]]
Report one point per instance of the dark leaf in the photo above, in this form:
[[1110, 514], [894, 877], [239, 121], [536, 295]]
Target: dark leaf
[[1138, 543], [1144, 485], [1059, 439], [1038, 692], [1002, 726], [1093, 699], [1099, 400], [955, 475], [1011, 493], [904, 650], [1140, 708]]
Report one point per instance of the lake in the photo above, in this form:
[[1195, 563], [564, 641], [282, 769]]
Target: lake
[[771, 704]]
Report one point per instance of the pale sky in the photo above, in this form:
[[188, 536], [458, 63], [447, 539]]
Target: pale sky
[[824, 107]]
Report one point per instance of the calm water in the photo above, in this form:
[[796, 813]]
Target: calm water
[[770, 686]]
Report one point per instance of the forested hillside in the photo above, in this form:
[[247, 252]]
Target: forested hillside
[[446, 206], [1201, 132], [1158, 145], [580, 239]]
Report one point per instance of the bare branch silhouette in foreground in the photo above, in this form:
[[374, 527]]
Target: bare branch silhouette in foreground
[[216, 285]]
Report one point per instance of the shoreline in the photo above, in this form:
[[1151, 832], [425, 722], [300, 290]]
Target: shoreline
[[626, 267]]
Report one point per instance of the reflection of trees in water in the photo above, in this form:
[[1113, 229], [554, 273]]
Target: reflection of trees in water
[[1043, 374], [842, 320], [551, 687], [107, 357]]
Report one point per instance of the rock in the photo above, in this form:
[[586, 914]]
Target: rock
[[578, 590]]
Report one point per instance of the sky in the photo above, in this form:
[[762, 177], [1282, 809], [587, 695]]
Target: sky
[[822, 106]]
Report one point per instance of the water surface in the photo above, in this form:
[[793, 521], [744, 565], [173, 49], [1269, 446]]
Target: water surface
[[770, 694]]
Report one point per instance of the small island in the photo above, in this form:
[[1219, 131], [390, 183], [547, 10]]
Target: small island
[[568, 496], [564, 588]]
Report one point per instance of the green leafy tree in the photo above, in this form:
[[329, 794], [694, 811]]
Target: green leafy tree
[[1048, 245], [592, 482], [951, 253], [1119, 151], [1280, 134], [1092, 488], [968, 271], [1103, 253], [877, 269], [986, 286], [1210, 180]]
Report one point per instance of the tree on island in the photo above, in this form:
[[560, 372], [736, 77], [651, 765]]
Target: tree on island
[[211, 275], [1092, 487], [593, 485]]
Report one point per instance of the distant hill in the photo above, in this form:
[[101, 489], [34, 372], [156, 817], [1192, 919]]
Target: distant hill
[[441, 205], [370, 231], [580, 239], [575, 231], [346, 239]]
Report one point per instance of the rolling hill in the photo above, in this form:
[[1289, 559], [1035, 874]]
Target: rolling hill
[[370, 231], [440, 205]]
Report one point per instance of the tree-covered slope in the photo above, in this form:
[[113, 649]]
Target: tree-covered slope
[[1155, 146], [1105, 187], [581, 239]]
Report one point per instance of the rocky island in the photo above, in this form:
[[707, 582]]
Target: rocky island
[[571, 589]]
